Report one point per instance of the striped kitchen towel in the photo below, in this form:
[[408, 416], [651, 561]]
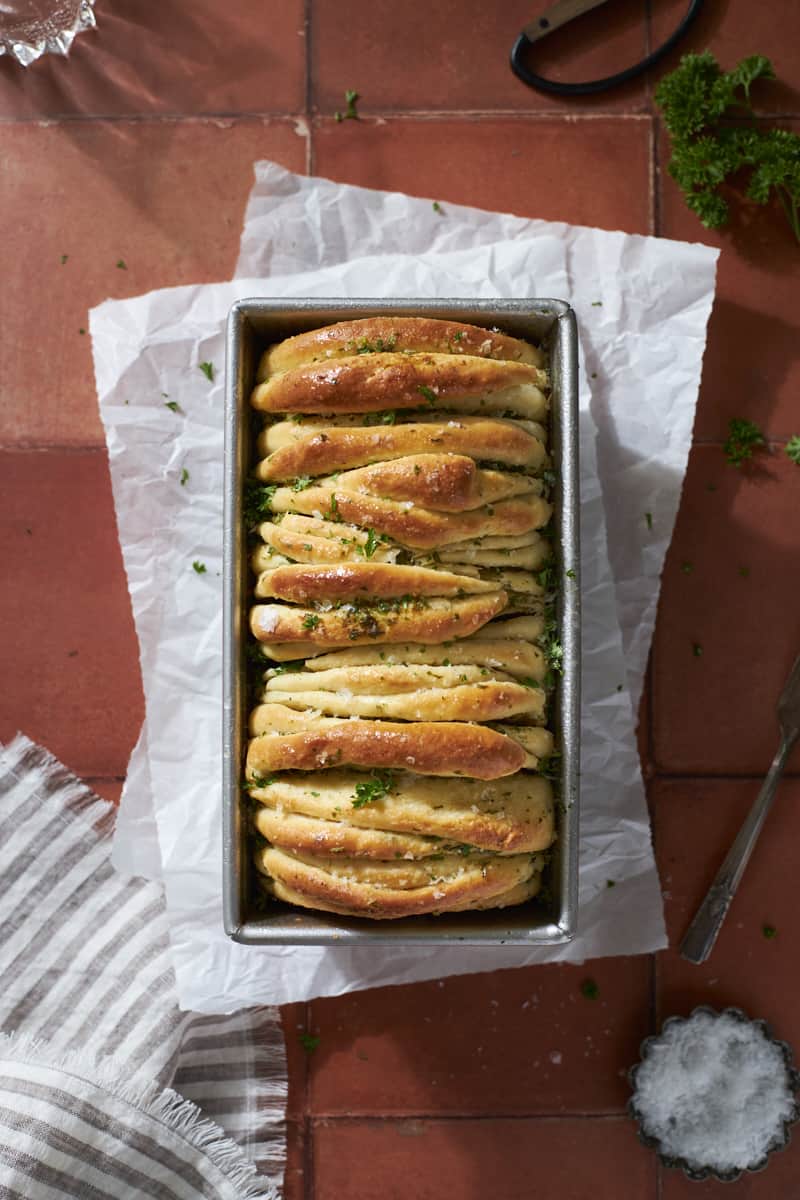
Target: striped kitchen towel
[[87, 993]]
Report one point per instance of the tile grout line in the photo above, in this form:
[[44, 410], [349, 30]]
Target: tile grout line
[[309, 90], [308, 1158], [442, 1119], [648, 46], [722, 777], [465, 116], [648, 91], [308, 1132], [656, 160], [373, 115], [51, 448], [655, 178], [205, 118]]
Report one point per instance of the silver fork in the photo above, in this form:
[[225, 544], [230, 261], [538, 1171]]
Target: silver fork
[[699, 939]]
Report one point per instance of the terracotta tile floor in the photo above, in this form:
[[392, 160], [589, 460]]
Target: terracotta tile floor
[[140, 148]]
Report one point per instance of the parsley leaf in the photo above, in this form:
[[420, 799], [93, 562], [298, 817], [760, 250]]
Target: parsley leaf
[[257, 503], [121, 264], [697, 100], [309, 1042], [546, 577], [375, 787], [743, 439], [550, 767], [208, 370], [769, 931], [351, 99], [370, 545], [648, 516], [589, 989], [792, 448], [281, 668], [428, 393], [64, 258], [379, 346], [697, 650], [553, 651], [172, 405], [310, 621], [199, 567], [380, 418], [184, 476], [437, 208], [301, 483], [258, 781]]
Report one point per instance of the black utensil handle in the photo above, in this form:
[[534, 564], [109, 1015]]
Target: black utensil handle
[[523, 43]]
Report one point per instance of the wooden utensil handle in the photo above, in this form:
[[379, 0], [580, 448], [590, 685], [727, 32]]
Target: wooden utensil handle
[[560, 13]]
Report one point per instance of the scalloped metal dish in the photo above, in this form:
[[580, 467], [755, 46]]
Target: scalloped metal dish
[[252, 325], [697, 1174]]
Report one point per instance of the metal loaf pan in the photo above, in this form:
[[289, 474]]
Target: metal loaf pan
[[253, 325]]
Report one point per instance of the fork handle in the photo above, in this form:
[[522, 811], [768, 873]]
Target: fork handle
[[701, 935]]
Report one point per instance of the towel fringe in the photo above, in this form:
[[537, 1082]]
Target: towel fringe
[[182, 1117]]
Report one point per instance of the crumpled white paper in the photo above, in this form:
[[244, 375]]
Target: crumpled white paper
[[642, 306]]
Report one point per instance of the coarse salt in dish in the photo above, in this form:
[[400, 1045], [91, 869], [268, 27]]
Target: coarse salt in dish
[[714, 1093]]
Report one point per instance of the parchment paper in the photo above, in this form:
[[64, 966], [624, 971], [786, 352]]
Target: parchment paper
[[152, 345]]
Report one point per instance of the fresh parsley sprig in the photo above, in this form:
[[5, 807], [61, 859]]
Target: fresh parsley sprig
[[744, 438], [350, 113], [697, 99], [257, 503], [377, 785], [388, 417]]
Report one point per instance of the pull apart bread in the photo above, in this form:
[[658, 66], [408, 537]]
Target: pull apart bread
[[398, 747]]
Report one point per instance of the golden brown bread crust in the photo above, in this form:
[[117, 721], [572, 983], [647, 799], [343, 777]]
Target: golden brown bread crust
[[533, 552], [428, 621], [515, 895], [313, 540], [402, 334], [392, 890], [528, 628], [420, 528], [442, 482], [296, 741], [535, 740], [303, 584], [336, 449], [466, 559], [375, 382], [278, 434], [512, 815], [406, 693], [309, 835], [518, 658]]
